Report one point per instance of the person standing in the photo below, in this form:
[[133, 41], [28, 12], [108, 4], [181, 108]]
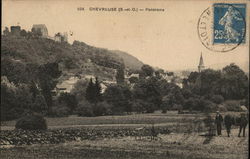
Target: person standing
[[218, 122], [243, 123], [228, 121]]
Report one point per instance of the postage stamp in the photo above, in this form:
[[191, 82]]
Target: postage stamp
[[222, 27], [229, 23]]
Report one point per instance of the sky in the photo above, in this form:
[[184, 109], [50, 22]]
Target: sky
[[167, 40]]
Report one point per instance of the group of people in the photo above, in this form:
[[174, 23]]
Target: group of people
[[230, 120]]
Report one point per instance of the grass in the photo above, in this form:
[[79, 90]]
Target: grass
[[169, 117], [136, 120], [173, 146], [156, 118], [177, 145]]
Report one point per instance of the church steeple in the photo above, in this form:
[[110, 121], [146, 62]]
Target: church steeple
[[201, 66]]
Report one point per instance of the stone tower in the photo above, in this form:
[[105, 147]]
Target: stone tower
[[201, 66], [40, 28]]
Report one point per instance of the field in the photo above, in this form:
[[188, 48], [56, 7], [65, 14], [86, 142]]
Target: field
[[135, 120], [182, 141]]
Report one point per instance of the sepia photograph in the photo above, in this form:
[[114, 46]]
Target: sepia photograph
[[124, 79]]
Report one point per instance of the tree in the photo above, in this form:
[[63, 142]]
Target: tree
[[209, 81], [146, 70], [199, 104], [23, 33], [98, 89], [186, 93], [203, 83], [69, 63], [234, 83], [120, 75], [218, 99], [85, 108], [90, 92], [6, 31], [16, 71], [207, 106], [29, 35], [93, 91], [158, 73], [193, 77], [47, 79], [102, 108], [165, 104], [133, 79], [174, 97], [69, 100], [138, 106], [39, 105], [119, 96], [79, 89], [192, 104], [15, 100], [185, 83], [148, 90], [170, 73], [8, 99], [34, 90], [231, 82], [23, 97]]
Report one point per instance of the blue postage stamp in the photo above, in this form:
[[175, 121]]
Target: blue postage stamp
[[229, 23]]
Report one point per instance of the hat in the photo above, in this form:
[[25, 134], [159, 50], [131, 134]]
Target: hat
[[217, 111]]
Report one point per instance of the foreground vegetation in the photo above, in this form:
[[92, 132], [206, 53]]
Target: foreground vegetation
[[173, 146], [175, 136]]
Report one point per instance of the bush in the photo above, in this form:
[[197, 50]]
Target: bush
[[164, 106], [60, 111], [222, 108], [68, 99], [39, 105], [177, 107], [150, 107], [84, 109], [192, 104], [11, 114], [164, 111], [137, 106], [232, 105], [79, 89], [32, 122], [218, 99], [14, 99], [209, 106], [102, 108]]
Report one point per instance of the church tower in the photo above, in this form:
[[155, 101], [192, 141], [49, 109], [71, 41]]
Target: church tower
[[201, 66]]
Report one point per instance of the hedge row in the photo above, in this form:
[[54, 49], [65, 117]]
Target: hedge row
[[22, 137]]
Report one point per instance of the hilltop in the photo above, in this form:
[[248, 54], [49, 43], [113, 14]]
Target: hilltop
[[130, 62], [76, 59]]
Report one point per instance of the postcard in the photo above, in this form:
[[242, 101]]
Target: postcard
[[125, 79]]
